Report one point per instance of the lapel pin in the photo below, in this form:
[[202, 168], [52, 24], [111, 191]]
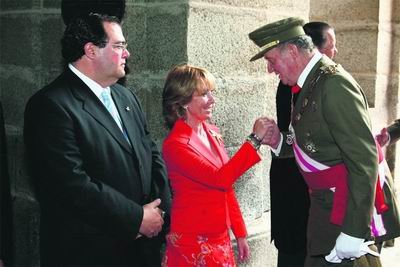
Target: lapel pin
[[128, 108], [217, 136]]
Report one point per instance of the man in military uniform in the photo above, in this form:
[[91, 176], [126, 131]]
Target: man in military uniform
[[288, 190], [330, 136]]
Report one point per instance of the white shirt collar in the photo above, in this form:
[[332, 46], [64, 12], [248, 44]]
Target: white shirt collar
[[303, 76], [95, 87]]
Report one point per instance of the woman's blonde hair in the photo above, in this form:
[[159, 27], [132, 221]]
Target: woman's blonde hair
[[181, 83]]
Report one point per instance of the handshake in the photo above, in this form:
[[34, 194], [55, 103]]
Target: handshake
[[267, 131]]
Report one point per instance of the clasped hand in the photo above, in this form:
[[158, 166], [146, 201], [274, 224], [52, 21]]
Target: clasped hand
[[267, 130], [383, 137], [152, 219]]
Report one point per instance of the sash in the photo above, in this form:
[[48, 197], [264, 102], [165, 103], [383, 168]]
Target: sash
[[319, 176], [335, 179], [377, 224]]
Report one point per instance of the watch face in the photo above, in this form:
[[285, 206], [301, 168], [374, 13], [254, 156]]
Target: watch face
[[71, 9]]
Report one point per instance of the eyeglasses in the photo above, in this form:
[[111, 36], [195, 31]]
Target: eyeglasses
[[120, 46]]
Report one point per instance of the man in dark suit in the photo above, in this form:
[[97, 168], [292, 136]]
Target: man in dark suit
[[100, 179]]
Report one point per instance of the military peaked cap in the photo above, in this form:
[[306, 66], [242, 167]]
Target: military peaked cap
[[272, 34]]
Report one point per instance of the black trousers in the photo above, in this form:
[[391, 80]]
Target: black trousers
[[291, 259]]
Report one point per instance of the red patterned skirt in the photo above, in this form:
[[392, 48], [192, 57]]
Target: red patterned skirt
[[198, 250]]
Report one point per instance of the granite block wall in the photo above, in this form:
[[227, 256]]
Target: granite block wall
[[208, 33]]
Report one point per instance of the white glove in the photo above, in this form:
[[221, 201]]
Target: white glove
[[348, 247]]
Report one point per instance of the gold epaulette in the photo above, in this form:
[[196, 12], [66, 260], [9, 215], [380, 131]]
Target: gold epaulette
[[329, 69]]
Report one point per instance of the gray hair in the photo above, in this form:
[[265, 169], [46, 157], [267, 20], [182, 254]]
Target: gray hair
[[304, 43]]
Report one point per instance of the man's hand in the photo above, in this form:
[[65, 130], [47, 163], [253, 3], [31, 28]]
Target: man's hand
[[261, 127], [152, 220], [349, 247], [273, 135], [383, 137]]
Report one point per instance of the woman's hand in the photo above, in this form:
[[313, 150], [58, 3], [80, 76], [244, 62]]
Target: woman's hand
[[243, 249], [260, 127], [267, 131]]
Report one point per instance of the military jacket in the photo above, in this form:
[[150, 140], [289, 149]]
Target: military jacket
[[332, 126]]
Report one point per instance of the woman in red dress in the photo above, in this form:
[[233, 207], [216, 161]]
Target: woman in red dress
[[204, 205]]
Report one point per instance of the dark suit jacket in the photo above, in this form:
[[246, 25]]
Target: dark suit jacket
[[394, 131], [91, 184], [5, 199], [289, 193]]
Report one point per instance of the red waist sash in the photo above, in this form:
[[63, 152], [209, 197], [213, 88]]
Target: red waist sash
[[336, 176]]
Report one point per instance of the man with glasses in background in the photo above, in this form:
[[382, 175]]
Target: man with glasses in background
[[100, 179]]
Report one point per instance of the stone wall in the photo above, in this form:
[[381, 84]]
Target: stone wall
[[208, 33], [29, 58]]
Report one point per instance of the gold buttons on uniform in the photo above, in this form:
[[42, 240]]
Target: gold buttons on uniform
[[305, 102]]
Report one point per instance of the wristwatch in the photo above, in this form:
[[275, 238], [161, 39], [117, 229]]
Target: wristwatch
[[254, 140]]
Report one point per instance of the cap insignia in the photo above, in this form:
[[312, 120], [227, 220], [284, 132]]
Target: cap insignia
[[270, 44]]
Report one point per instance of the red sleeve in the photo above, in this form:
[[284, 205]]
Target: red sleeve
[[182, 159], [237, 223]]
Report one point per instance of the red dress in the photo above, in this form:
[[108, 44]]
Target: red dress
[[204, 205]]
